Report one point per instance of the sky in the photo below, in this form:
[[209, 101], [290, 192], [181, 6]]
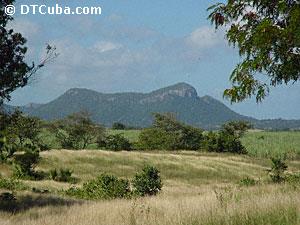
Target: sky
[[140, 46]]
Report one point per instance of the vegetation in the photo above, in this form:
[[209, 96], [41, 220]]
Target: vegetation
[[106, 186], [196, 186], [22, 129], [77, 131], [26, 162], [61, 175], [115, 142], [118, 126], [227, 139], [11, 184], [103, 187], [268, 37], [277, 170], [14, 71], [147, 182], [168, 133]]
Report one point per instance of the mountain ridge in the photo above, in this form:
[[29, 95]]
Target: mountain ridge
[[135, 108]]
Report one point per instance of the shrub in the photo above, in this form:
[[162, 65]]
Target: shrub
[[117, 142], [62, 175], [227, 139], [248, 181], [26, 162], [168, 133], [11, 184], [277, 170], [147, 182], [229, 143], [293, 178], [118, 126], [103, 187], [156, 139]]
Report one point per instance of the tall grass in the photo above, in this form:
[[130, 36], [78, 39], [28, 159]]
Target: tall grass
[[267, 144], [274, 205]]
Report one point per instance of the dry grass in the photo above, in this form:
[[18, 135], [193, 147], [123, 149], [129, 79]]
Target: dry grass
[[258, 205], [199, 188]]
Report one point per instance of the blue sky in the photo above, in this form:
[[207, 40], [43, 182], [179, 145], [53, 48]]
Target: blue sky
[[138, 45]]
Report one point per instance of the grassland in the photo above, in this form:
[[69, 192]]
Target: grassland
[[265, 144], [199, 188], [262, 144]]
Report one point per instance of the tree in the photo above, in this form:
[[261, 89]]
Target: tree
[[14, 71], [168, 133], [115, 142], [267, 34], [227, 139], [118, 126], [77, 131], [236, 128], [23, 128]]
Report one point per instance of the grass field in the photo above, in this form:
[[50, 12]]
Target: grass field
[[265, 144], [258, 143], [199, 188]]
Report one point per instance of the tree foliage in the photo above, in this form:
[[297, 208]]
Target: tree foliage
[[168, 133], [147, 182], [77, 131], [227, 139], [115, 142], [267, 34], [22, 128], [14, 70]]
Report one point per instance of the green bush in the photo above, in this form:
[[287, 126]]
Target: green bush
[[147, 182], [118, 126], [168, 133], [117, 142], [277, 170], [156, 139], [11, 184], [103, 187], [227, 139], [26, 162], [62, 175], [248, 181], [293, 178]]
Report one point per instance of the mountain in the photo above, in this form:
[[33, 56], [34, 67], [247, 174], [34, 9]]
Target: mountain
[[135, 109]]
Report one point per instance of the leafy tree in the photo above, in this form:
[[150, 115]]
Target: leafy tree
[[227, 139], [116, 142], [156, 139], [168, 133], [236, 128], [267, 34], [23, 128], [14, 71], [77, 131]]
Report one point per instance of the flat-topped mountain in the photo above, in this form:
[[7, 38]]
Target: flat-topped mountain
[[135, 109]]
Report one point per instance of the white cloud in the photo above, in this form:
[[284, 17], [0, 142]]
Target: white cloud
[[104, 46], [205, 37], [27, 28]]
